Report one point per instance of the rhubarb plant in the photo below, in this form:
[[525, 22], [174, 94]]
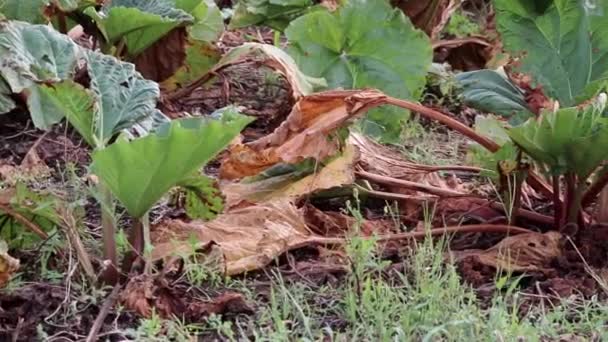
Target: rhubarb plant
[[351, 50], [562, 47], [141, 171]]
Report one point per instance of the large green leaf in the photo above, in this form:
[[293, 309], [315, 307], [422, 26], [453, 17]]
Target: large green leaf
[[567, 140], [274, 13], [141, 22], [31, 55], [559, 45], [6, 103], [31, 11], [141, 171], [489, 91], [40, 11], [73, 101], [125, 98], [208, 24], [366, 43]]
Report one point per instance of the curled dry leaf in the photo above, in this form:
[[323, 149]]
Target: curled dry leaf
[[309, 132], [430, 16], [530, 252], [338, 172], [249, 238], [8, 264]]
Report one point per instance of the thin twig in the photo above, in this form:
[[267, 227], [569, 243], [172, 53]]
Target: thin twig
[[103, 313], [474, 228], [409, 185]]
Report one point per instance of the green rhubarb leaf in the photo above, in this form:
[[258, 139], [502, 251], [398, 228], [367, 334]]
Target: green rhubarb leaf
[[73, 101], [559, 45], [40, 11], [209, 24], [31, 55], [491, 92], [31, 11], [141, 171], [125, 98], [366, 43], [567, 140], [274, 13], [140, 23], [6, 102]]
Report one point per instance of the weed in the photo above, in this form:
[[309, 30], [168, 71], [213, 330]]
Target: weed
[[460, 25]]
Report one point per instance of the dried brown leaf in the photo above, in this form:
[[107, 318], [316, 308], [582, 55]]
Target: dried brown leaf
[[530, 252], [430, 16], [163, 58], [8, 264], [249, 238], [308, 132], [337, 172]]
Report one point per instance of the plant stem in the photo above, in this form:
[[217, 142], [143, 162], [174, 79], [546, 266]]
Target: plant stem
[[600, 182], [145, 224], [119, 49], [136, 241], [277, 38], [63, 26], [557, 205], [108, 228], [575, 195]]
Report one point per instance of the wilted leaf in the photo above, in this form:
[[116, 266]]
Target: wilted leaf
[[312, 130], [531, 252], [355, 50], [294, 184], [141, 22], [141, 171], [250, 238], [560, 46], [489, 91]]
